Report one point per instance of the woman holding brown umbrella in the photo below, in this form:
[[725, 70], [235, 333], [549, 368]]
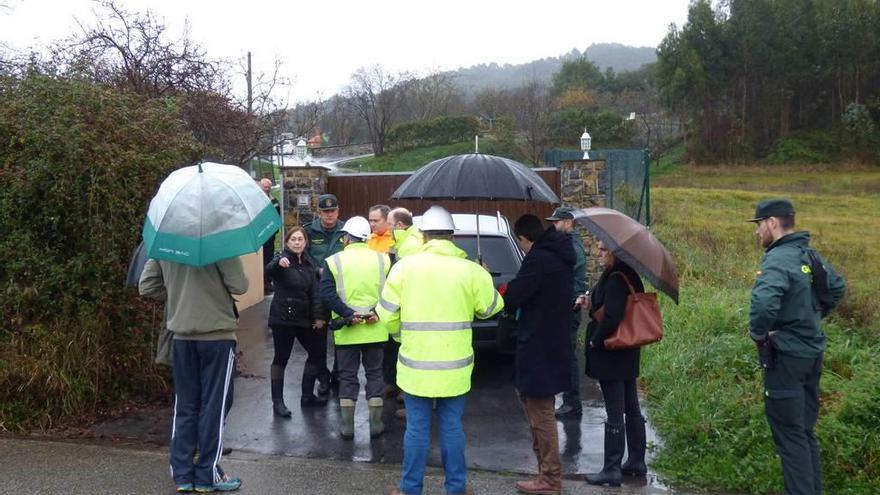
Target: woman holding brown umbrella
[[617, 371], [627, 249]]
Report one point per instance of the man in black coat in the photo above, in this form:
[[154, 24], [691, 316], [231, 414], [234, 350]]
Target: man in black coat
[[541, 295]]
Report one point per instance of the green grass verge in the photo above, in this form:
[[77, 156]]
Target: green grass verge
[[703, 381], [405, 161], [670, 162], [786, 179]]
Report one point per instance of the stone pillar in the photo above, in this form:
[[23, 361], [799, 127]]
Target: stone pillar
[[583, 183], [302, 186]]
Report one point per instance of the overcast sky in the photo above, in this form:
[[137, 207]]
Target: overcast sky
[[321, 43]]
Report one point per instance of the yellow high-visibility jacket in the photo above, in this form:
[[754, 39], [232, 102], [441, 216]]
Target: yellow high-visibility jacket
[[428, 303], [407, 242], [360, 274]]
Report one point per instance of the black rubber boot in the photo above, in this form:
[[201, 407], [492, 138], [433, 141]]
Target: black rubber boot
[[635, 446], [310, 376], [312, 401], [614, 445], [278, 407], [324, 382], [308, 398]]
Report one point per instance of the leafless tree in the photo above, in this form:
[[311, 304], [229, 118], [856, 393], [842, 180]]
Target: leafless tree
[[341, 123], [304, 119], [656, 130], [268, 113], [531, 114], [433, 96], [377, 97], [132, 51], [492, 104], [5, 55]]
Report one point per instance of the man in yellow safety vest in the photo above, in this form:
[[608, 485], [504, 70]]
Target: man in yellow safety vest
[[428, 303], [407, 237], [350, 287], [407, 240]]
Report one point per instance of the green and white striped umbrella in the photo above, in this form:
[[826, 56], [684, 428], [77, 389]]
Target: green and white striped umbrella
[[207, 213]]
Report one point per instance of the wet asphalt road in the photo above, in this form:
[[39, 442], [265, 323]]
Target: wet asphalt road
[[30, 466], [498, 438]]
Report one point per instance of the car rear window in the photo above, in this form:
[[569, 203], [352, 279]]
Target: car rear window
[[497, 252]]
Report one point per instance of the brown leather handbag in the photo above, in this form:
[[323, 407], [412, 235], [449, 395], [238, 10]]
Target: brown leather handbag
[[642, 322]]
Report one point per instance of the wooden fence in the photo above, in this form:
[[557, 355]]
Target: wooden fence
[[358, 192]]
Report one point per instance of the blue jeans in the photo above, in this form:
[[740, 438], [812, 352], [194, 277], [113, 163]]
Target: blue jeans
[[417, 443]]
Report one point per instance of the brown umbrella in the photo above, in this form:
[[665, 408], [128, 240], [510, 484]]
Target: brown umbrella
[[633, 243]]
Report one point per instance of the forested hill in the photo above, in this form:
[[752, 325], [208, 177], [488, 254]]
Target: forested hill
[[619, 57]]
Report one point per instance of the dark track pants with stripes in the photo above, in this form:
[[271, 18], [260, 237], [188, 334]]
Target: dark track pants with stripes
[[203, 386]]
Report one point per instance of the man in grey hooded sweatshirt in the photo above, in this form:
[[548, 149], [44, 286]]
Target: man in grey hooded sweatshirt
[[202, 316]]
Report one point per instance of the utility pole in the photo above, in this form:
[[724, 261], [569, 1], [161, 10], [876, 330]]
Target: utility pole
[[250, 108], [250, 87]]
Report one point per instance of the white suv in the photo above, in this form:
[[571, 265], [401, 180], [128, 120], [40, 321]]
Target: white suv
[[500, 254]]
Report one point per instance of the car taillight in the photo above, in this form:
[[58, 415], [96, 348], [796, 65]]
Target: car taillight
[[502, 288]]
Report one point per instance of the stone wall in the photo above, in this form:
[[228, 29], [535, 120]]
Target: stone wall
[[342, 150], [302, 182], [583, 184]]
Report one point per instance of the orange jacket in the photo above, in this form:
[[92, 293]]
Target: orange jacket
[[381, 243]]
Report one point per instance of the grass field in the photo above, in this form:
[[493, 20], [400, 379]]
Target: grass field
[[404, 161], [703, 380]]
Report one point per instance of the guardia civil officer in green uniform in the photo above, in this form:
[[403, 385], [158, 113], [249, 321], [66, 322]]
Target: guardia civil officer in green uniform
[[325, 231], [325, 239], [786, 308], [350, 286]]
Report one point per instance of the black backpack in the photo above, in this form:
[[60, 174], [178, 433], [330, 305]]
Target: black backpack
[[820, 282]]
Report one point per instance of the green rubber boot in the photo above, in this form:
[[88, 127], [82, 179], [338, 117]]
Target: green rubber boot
[[377, 427], [346, 411]]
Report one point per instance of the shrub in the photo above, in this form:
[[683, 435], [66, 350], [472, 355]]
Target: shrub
[[806, 148], [432, 132], [608, 129], [78, 165]]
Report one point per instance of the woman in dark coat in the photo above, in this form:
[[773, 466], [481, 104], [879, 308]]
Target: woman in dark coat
[[541, 295], [296, 313], [616, 371]]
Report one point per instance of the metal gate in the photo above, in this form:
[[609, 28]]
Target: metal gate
[[627, 184]]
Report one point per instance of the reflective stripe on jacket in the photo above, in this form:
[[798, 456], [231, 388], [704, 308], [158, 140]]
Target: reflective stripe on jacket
[[360, 274], [428, 303]]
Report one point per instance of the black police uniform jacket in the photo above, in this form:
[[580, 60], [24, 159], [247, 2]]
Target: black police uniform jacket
[[611, 292], [542, 291], [296, 302]]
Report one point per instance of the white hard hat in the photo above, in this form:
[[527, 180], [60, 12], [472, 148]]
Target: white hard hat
[[357, 227], [436, 219]]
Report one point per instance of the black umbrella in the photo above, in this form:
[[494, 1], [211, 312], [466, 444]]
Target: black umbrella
[[136, 266], [476, 176]]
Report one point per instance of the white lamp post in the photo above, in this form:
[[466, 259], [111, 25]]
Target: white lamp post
[[301, 149], [586, 143]]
